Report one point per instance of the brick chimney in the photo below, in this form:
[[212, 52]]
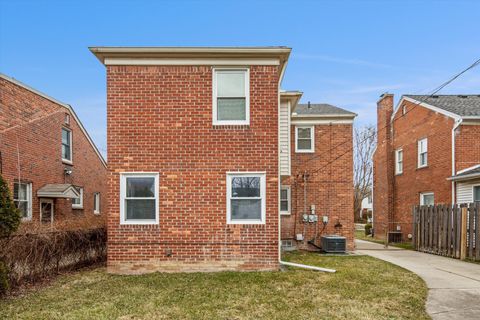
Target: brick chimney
[[383, 166]]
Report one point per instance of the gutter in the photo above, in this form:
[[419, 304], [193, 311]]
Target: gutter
[[457, 124]]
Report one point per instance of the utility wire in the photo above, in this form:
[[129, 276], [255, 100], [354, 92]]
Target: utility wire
[[436, 90]]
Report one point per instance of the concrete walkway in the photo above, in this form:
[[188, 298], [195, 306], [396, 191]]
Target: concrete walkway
[[454, 285]]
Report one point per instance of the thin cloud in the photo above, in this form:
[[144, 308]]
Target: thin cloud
[[357, 62]]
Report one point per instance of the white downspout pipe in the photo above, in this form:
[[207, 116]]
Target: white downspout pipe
[[457, 124], [304, 266]]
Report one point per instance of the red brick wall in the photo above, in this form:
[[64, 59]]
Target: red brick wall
[[467, 146], [160, 120], [31, 125], [329, 185]]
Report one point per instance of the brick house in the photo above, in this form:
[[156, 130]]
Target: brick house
[[199, 142], [52, 166], [428, 151]]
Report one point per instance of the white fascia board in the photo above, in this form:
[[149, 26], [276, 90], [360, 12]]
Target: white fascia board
[[321, 121], [468, 169], [189, 62], [425, 105], [66, 106]]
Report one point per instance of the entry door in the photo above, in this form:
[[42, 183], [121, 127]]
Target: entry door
[[46, 210]]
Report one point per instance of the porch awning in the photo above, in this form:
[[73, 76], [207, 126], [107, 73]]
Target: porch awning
[[467, 174], [58, 191]]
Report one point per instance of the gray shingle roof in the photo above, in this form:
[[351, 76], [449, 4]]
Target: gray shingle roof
[[461, 105], [472, 173], [321, 109]]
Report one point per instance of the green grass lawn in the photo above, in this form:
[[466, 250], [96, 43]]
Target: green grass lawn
[[362, 288], [360, 234]]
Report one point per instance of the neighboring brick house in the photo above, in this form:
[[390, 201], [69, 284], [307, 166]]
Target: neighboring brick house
[[198, 143], [322, 157], [415, 163], [51, 165]]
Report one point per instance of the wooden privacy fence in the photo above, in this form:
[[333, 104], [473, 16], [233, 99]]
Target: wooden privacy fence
[[448, 230]]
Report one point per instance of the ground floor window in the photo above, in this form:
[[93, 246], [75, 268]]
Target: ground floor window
[[246, 198], [476, 193], [22, 197], [77, 203], [285, 200], [96, 203], [427, 199], [139, 198]]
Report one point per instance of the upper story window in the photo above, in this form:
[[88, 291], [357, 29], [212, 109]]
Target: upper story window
[[22, 197], [404, 110], [139, 198], [77, 203], [231, 96], [398, 161], [422, 153], [67, 119], [304, 139], [285, 200], [427, 199], [246, 198], [66, 145]]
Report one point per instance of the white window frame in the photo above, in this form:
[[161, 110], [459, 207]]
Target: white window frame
[[69, 161], [423, 194], [262, 176], [419, 147], [96, 203], [398, 162], [312, 137], [123, 192], [215, 121], [29, 199], [404, 110], [289, 197], [79, 205], [473, 192]]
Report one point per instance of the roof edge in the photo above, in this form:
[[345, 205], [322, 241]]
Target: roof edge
[[65, 105]]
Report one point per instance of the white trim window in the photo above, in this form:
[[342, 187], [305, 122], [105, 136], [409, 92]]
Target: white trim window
[[66, 145], [96, 203], [231, 96], [77, 203], [285, 196], [22, 197], [399, 161], [246, 198], [476, 193], [305, 139], [427, 199], [422, 153], [139, 198]]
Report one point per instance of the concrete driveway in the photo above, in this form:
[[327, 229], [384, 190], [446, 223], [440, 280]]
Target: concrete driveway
[[454, 285]]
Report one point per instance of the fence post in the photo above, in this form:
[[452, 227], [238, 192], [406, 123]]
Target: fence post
[[477, 231], [463, 236]]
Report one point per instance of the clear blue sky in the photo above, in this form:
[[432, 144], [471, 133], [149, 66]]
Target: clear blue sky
[[344, 52]]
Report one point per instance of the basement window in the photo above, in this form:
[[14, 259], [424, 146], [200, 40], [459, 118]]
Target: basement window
[[399, 161], [422, 153], [246, 198], [139, 198], [285, 200], [304, 139], [231, 96]]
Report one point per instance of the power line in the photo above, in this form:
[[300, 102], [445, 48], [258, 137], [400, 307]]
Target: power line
[[436, 90]]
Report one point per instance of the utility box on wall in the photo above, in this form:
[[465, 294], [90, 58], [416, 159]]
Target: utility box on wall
[[334, 244]]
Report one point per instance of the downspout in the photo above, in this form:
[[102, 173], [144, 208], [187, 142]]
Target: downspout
[[457, 124]]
